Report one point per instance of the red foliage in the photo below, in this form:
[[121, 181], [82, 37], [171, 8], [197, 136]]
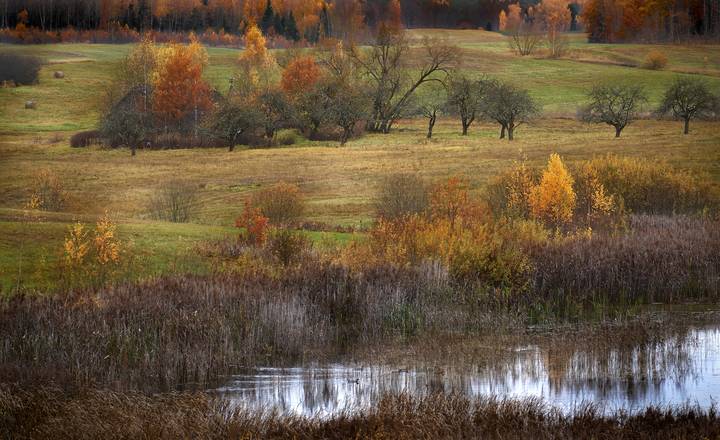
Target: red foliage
[[254, 223]]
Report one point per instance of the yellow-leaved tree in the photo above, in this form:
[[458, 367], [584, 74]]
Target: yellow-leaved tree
[[553, 200], [256, 63]]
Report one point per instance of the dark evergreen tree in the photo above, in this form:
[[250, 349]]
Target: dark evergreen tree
[[268, 18], [325, 27], [279, 24], [291, 30]]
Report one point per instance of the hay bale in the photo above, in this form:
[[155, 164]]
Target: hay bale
[[32, 105], [59, 74]]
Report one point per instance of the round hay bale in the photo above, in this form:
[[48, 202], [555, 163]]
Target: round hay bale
[[59, 74], [32, 105]]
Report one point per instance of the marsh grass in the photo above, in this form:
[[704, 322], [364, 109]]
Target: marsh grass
[[51, 413], [184, 331]]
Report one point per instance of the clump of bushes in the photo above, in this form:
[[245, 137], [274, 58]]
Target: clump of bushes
[[85, 138], [655, 60], [92, 257], [598, 190], [19, 69], [401, 195], [175, 202], [282, 203], [47, 192]]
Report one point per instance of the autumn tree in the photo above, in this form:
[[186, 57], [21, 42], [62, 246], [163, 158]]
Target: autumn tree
[[300, 75], [617, 105], [687, 99], [179, 88], [392, 80], [553, 199], [508, 105], [138, 69], [555, 16]]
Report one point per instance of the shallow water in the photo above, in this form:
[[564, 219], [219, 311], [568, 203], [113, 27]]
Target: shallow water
[[672, 371]]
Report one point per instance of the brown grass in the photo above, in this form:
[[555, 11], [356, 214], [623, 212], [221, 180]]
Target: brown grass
[[50, 413]]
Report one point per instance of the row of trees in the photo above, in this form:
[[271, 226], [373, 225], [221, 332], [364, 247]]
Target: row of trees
[[650, 20], [292, 19], [331, 94], [618, 105]]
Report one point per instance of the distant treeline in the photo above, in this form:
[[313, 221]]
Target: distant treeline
[[605, 20]]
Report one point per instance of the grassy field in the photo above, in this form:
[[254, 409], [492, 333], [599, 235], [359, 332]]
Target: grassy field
[[339, 183]]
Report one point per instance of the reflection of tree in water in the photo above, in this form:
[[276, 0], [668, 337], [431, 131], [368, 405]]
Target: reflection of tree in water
[[606, 369]]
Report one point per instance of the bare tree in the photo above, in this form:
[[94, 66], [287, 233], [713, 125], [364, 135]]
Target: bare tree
[[614, 104], [392, 78], [525, 38], [689, 98], [464, 99], [432, 102], [508, 105]]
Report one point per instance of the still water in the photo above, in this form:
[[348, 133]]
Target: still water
[[676, 370]]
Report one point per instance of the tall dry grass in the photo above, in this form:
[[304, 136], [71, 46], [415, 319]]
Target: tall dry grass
[[185, 332], [51, 413]]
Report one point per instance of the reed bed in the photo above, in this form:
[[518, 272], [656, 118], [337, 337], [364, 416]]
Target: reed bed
[[52, 413]]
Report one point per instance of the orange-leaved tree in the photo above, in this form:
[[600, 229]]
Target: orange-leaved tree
[[553, 200], [300, 76], [179, 86]]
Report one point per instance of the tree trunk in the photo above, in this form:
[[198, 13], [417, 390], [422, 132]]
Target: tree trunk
[[510, 131], [465, 126], [617, 131], [687, 126], [502, 131], [133, 147], [431, 124]]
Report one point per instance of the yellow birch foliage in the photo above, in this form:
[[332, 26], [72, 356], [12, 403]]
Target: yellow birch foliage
[[76, 246], [107, 245], [553, 200]]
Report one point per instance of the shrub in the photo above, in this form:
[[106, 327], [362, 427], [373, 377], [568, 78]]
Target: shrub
[[508, 193], [655, 60], [175, 202], [254, 223], [21, 69], [281, 203], [553, 200], [650, 187], [401, 195], [285, 137], [287, 246], [85, 138], [47, 192], [92, 257]]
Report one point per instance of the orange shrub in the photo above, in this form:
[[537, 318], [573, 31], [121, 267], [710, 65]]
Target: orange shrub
[[282, 203], [254, 223], [655, 60]]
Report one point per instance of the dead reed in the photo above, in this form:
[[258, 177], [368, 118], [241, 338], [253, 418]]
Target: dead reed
[[51, 413]]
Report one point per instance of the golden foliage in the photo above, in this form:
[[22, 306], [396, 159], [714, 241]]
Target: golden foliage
[[107, 245], [76, 246], [553, 200]]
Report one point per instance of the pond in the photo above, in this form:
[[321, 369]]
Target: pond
[[673, 370]]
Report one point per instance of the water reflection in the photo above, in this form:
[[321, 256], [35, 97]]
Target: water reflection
[[674, 370]]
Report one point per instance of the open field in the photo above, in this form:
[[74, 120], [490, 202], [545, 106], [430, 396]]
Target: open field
[[537, 295], [339, 183]]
